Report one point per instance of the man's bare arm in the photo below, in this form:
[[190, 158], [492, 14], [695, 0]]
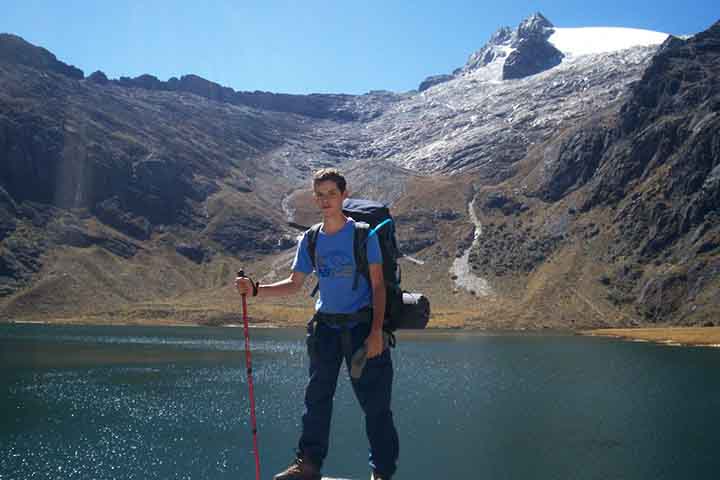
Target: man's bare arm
[[289, 286]]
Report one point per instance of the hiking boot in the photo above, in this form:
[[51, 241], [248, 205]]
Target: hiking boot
[[379, 476], [300, 469]]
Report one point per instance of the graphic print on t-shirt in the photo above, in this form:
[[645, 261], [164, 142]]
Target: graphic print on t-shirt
[[335, 263]]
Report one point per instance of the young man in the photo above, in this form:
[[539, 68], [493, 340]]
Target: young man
[[348, 322]]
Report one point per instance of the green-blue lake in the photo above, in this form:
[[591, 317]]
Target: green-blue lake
[[171, 403]]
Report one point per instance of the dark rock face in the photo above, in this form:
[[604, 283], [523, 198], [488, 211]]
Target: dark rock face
[[535, 26], [21, 251], [42, 166], [7, 223], [662, 296], [72, 235], [434, 80], [135, 161], [250, 233], [76, 236], [111, 212], [532, 56], [158, 190], [119, 247], [196, 252], [531, 52], [511, 249], [575, 159], [415, 244], [488, 53], [668, 131], [8, 212], [141, 162], [31, 147], [146, 81], [204, 88], [506, 204], [656, 162], [682, 76], [315, 105], [418, 230]]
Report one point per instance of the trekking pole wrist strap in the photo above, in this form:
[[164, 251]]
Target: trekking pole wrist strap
[[255, 285]]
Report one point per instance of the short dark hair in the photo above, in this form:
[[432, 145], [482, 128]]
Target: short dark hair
[[331, 174]]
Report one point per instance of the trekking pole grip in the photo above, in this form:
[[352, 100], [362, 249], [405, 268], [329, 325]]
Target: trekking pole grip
[[255, 285], [241, 274]]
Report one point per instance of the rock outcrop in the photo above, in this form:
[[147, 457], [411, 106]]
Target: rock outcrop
[[434, 80], [14, 49], [523, 52]]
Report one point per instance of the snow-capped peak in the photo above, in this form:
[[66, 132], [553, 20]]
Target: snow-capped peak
[[537, 45], [588, 40]]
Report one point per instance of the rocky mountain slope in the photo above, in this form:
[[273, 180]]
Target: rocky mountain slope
[[541, 186], [631, 195]]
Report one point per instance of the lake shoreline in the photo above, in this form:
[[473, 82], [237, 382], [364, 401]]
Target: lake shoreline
[[437, 327], [672, 336]]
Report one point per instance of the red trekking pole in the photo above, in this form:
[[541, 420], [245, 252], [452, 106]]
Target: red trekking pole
[[248, 364]]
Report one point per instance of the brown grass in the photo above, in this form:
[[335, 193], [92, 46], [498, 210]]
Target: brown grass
[[669, 335]]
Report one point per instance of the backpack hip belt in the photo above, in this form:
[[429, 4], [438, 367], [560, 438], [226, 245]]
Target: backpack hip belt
[[343, 319]]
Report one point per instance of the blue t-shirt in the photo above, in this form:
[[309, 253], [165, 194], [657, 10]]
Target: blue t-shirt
[[335, 269]]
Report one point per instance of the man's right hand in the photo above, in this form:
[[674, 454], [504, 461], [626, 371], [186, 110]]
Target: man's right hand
[[244, 286]]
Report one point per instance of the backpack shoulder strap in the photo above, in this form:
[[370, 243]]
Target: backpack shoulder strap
[[312, 237], [360, 239]]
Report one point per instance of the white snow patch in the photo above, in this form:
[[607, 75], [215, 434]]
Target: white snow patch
[[589, 40]]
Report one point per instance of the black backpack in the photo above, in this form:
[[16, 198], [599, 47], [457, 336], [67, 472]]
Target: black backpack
[[402, 309]]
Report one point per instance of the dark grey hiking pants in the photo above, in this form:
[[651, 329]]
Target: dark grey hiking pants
[[373, 390]]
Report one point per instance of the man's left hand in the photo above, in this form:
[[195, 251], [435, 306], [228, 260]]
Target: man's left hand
[[375, 343]]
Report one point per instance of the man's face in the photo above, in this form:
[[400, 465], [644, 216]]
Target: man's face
[[328, 197]]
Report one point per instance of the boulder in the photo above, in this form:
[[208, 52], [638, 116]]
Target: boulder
[[434, 80], [196, 252], [504, 203], [245, 234], [98, 77], [113, 213]]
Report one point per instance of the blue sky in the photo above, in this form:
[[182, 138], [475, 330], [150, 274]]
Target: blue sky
[[312, 45]]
